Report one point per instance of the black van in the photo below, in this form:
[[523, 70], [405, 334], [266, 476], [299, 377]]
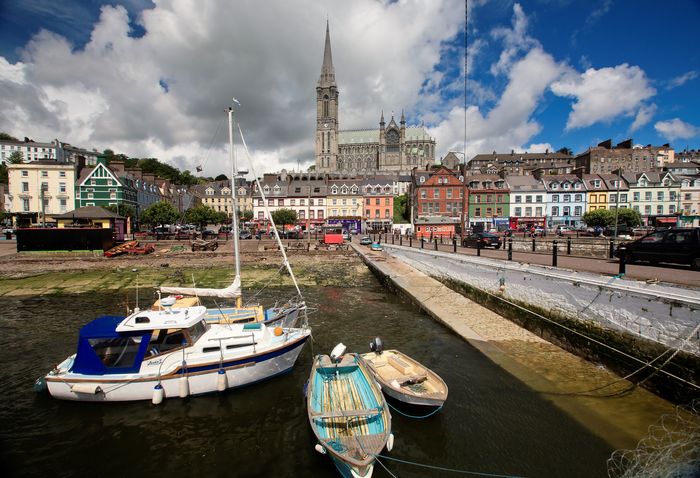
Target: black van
[[675, 245]]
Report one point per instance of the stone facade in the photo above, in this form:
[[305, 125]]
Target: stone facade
[[393, 147]]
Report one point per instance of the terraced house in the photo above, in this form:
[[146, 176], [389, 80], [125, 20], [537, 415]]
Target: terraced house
[[106, 185], [566, 200], [489, 202], [656, 196]]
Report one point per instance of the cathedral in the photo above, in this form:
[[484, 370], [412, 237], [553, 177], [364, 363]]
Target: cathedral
[[393, 148]]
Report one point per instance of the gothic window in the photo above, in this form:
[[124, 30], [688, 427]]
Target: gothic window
[[392, 141], [325, 105]]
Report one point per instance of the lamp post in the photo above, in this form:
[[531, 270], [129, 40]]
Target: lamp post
[[617, 197]]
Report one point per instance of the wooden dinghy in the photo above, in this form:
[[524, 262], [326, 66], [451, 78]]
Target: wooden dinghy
[[348, 413], [405, 379]]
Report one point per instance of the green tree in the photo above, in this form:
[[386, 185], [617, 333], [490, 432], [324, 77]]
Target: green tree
[[311, 168], [282, 217], [221, 177], [627, 216], [200, 215], [3, 174], [247, 215], [7, 137], [599, 218], [159, 213], [16, 157], [401, 209], [124, 210]]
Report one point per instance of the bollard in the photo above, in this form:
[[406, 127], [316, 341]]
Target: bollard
[[533, 244], [392, 238], [478, 248], [623, 262], [401, 240], [611, 253], [431, 236], [454, 244], [410, 241], [436, 248], [422, 241], [380, 239], [568, 246], [510, 249], [554, 253]]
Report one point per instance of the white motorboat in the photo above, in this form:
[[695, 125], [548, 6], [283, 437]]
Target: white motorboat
[[171, 352]]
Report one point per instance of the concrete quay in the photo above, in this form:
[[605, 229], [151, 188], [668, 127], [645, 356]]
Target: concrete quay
[[619, 412]]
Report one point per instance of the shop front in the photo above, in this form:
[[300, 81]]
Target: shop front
[[352, 224]]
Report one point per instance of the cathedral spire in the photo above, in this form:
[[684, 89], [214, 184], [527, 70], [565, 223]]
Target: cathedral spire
[[403, 118], [327, 77]]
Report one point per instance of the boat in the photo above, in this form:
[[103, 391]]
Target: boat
[[285, 315], [405, 379], [347, 412], [120, 249], [172, 352]]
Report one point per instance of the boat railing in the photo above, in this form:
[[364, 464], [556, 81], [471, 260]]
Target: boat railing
[[366, 412]]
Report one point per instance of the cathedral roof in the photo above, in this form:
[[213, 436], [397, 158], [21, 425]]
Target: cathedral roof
[[359, 136]]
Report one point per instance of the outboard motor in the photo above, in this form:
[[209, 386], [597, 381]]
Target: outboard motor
[[337, 352], [376, 346]]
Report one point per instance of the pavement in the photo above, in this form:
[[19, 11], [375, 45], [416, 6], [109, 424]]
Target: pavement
[[671, 274], [563, 377]]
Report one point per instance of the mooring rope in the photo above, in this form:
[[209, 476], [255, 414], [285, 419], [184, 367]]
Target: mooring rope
[[442, 468], [419, 417]]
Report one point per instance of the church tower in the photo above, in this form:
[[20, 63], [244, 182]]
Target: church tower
[[327, 113]]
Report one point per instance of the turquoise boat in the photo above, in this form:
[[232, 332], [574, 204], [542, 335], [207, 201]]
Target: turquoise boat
[[348, 413]]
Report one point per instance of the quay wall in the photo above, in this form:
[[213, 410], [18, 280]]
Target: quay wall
[[586, 313]]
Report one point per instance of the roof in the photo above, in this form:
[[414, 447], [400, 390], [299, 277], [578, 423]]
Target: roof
[[89, 212], [359, 136], [436, 220], [162, 319]]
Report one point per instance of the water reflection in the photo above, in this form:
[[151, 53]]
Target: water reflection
[[491, 422]]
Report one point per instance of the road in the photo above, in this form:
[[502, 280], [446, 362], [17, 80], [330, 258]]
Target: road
[[668, 273]]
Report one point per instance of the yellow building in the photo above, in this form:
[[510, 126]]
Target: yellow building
[[29, 183]]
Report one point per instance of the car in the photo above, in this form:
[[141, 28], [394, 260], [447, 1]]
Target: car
[[675, 245], [564, 231], [208, 233], [245, 235], [346, 235], [8, 230], [376, 246], [365, 241], [481, 240]]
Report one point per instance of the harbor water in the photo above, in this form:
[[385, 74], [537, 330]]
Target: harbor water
[[491, 422]]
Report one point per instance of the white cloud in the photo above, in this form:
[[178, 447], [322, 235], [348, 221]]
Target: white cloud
[[108, 93], [682, 79], [604, 94], [676, 129], [643, 117], [516, 40]]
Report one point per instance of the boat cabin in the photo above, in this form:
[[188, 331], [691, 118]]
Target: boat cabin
[[118, 345]]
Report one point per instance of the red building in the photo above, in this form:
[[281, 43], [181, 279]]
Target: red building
[[437, 193]]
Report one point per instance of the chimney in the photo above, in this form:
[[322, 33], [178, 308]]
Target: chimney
[[607, 144], [117, 166]]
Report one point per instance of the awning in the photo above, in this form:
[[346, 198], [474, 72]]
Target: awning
[[667, 220]]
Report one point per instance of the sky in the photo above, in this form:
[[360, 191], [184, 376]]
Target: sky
[[153, 78]]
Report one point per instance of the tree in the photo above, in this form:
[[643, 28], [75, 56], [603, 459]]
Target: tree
[[125, 210], [565, 150], [159, 213], [200, 215], [7, 137], [599, 218], [311, 169], [627, 216], [400, 209], [282, 217], [221, 177], [16, 157], [247, 215], [4, 179]]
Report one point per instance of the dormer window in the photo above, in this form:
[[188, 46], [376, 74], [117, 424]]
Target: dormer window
[[596, 183], [266, 188], [276, 188], [422, 179], [210, 192], [344, 190], [334, 190], [554, 186], [577, 185], [565, 186], [226, 191], [354, 190]]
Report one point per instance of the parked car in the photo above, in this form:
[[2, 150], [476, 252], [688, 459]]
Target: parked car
[[675, 245], [8, 230], [245, 235], [208, 233], [346, 235], [365, 241], [482, 239], [564, 231], [376, 246]]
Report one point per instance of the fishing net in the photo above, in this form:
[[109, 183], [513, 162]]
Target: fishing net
[[671, 449]]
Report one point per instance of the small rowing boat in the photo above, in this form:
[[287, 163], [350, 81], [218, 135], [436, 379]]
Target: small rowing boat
[[348, 413], [404, 378]]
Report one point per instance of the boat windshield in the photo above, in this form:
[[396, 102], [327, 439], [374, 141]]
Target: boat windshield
[[163, 341], [197, 330], [116, 352]]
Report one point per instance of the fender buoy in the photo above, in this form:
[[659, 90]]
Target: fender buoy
[[278, 331], [390, 442], [158, 394], [221, 380]]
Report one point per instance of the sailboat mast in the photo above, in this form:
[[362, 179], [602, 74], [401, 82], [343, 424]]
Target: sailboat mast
[[234, 203]]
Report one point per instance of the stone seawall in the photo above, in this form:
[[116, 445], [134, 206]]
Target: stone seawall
[[587, 314]]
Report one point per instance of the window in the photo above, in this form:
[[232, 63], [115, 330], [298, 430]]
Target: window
[[567, 197], [613, 197], [292, 202], [376, 213], [566, 210], [538, 211], [63, 205], [635, 196], [555, 198], [367, 213], [672, 195], [517, 198], [62, 188], [436, 193], [301, 214], [25, 205], [671, 209], [554, 186], [386, 213], [93, 182], [449, 193], [270, 202], [623, 197], [577, 210], [422, 195], [555, 211], [577, 198], [528, 211], [647, 195], [320, 214], [113, 195], [261, 215], [489, 212], [477, 212], [311, 214], [25, 187], [528, 199], [280, 202], [593, 198], [320, 203], [260, 202], [25, 173], [345, 202], [660, 196], [377, 202], [538, 198], [660, 209], [44, 174], [499, 211], [647, 209]]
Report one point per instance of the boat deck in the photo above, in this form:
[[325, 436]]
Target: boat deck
[[401, 373]]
